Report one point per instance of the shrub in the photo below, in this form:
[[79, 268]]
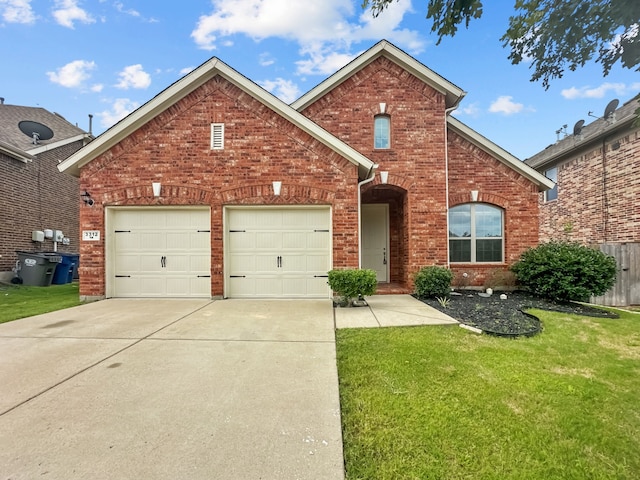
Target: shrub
[[350, 284], [431, 282], [565, 271]]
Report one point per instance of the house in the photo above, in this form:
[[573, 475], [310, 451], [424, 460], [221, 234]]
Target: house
[[34, 195], [215, 187], [596, 200]]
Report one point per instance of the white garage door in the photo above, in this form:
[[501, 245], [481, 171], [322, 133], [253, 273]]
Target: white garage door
[[278, 252], [160, 252]]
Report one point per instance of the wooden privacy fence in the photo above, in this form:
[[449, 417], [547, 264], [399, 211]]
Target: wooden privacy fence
[[626, 291]]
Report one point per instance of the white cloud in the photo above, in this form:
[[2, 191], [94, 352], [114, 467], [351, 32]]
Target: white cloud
[[133, 76], [186, 70], [600, 91], [506, 106], [323, 30], [266, 59], [73, 74], [472, 110], [120, 108], [17, 11], [67, 12], [285, 90]]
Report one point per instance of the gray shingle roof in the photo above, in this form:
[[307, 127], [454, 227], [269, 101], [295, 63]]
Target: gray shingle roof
[[11, 115], [624, 116]]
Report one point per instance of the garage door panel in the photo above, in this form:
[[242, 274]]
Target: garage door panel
[[280, 252], [162, 251]]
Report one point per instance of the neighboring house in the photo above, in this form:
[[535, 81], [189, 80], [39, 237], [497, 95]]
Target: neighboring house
[[596, 200], [217, 188], [34, 195]]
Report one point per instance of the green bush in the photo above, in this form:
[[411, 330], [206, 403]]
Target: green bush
[[350, 284], [431, 282], [565, 271]]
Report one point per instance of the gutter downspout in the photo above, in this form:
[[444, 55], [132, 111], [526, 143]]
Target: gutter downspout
[[446, 172], [370, 178]]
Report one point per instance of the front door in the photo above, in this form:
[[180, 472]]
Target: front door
[[375, 239]]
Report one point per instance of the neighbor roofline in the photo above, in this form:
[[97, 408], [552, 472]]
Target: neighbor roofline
[[15, 153], [452, 93], [60, 143], [500, 154], [185, 86], [581, 145]]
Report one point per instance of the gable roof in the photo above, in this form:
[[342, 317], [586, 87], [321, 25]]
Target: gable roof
[[499, 153], [188, 84], [594, 132], [16, 144], [452, 93]]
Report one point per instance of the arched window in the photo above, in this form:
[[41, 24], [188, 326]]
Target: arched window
[[381, 131], [475, 233]]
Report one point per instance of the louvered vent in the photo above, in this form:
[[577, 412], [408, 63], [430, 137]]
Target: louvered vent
[[217, 136]]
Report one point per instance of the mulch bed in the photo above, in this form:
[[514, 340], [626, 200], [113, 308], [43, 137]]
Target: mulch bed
[[506, 317]]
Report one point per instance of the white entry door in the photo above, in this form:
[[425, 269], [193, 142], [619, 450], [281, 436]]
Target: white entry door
[[281, 252], [375, 239], [159, 252]]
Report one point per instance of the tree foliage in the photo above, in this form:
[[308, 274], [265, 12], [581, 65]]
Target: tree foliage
[[553, 34]]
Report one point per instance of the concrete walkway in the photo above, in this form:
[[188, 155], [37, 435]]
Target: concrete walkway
[[171, 389], [391, 311]]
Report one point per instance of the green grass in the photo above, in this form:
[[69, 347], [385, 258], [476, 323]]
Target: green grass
[[444, 403], [19, 301]]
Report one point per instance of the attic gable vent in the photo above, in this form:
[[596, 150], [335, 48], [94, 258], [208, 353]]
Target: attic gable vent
[[217, 136]]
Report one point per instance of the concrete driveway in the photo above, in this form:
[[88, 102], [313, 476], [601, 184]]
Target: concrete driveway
[[171, 389]]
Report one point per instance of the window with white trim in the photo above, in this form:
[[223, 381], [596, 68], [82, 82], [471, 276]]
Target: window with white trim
[[381, 132], [217, 136], [552, 174], [476, 233]]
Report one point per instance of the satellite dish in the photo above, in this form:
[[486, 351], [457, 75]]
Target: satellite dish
[[35, 130], [577, 128], [610, 108]]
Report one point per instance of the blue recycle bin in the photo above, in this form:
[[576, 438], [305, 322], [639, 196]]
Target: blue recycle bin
[[66, 269]]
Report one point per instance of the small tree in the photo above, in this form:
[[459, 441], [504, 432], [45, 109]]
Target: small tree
[[351, 284], [565, 271], [433, 281]]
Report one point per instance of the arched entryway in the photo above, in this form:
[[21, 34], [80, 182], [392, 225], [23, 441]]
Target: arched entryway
[[384, 234]]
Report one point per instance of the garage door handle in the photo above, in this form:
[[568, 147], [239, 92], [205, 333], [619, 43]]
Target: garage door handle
[[279, 262], [163, 262], [123, 276], [321, 276]]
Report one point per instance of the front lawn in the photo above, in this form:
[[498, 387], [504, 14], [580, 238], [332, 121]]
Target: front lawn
[[20, 301], [444, 403]]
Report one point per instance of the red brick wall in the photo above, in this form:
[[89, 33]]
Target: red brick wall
[[415, 161], [417, 185], [36, 196], [598, 195], [259, 147], [470, 168]]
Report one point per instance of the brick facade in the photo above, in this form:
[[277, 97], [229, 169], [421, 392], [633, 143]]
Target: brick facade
[[264, 142], [598, 194], [417, 186], [260, 147], [36, 196]]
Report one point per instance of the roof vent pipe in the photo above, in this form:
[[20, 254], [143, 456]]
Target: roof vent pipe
[[90, 124], [1, 100]]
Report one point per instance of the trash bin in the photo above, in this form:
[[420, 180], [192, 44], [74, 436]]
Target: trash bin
[[37, 268], [67, 269]]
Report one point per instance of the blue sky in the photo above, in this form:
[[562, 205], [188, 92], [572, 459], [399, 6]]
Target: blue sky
[[106, 58]]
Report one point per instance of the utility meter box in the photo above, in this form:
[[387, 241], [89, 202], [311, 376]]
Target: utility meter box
[[37, 236], [48, 233], [58, 236]]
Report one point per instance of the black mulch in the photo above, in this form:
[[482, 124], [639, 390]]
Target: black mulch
[[506, 317]]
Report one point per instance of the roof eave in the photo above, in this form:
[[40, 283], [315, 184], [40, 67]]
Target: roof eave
[[452, 93], [188, 84], [501, 154], [15, 153]]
